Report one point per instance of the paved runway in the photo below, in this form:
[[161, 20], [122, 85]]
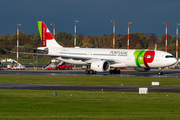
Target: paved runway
[[88, 88], [125, 73]]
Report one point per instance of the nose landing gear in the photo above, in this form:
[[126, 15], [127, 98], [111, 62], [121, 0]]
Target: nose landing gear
[[160, 71]]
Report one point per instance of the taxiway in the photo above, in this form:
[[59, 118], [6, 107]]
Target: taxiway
[[88, 88], [124, 73]]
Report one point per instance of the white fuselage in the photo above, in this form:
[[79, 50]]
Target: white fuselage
[[120, 57], [101, 60]]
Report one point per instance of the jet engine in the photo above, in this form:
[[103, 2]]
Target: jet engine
[[100, 66], [142, 69]]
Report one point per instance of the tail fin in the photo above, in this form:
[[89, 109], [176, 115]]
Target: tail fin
[[46, 37]]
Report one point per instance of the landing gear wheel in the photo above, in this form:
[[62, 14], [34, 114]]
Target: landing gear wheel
[[160, 73], [118, 71], [115, 71], [90, 72], [87, 71]]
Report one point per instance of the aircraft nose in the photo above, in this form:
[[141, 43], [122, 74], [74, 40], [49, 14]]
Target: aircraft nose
[[174, 61], [171, 61]]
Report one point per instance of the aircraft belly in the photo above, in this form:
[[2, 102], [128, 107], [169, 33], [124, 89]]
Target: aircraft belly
[[124, 62], [119, 65], [128, 62], [160, 63]]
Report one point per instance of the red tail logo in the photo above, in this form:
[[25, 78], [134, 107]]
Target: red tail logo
[[46, 35]]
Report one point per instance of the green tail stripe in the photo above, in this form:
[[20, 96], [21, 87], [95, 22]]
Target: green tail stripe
[[39, 24]]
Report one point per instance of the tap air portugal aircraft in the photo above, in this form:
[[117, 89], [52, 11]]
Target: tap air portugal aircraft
[[101, 60]]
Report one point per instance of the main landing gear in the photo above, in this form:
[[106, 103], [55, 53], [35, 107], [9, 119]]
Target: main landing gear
[[115, 71], [90, 72], [160, 71]]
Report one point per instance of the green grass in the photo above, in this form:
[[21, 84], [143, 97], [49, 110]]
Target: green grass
[[87, 80], [37, 104], [91, 105]]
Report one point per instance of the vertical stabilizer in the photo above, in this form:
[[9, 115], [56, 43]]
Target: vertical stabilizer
[[46, 36]]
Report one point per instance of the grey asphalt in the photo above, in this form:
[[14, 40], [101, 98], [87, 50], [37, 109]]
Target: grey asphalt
[[124, 73], [88, 88]]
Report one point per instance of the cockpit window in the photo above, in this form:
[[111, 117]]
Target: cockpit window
[[169, 56]]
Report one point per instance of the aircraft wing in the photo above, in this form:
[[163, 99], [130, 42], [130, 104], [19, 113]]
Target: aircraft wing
[[31, 53], [66, 56], [84, 58]]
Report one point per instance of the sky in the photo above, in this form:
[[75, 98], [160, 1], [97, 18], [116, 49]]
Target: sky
[[94, 16]]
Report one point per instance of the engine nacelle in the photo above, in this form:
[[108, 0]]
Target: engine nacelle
[[142, 69], [100, 66]]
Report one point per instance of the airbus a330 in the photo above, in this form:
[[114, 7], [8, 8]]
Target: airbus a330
[[101, 60]]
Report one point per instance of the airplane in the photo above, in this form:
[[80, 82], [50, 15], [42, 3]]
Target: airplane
[[100, 59]]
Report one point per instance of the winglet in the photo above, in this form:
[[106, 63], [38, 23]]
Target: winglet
[[8, 50], [4, 49], [155, 47]]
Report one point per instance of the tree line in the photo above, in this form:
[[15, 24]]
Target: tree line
[[138, 40]]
